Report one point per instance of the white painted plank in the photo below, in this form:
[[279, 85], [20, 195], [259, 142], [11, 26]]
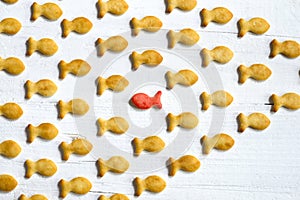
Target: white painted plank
[[261, 165]]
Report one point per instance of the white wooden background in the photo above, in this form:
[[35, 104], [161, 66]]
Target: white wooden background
[[261, 165]]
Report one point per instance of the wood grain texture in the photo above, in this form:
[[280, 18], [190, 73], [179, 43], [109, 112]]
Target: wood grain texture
[[261, 165]]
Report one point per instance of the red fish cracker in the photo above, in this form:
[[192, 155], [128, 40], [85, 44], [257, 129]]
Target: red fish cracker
[[143, 101]]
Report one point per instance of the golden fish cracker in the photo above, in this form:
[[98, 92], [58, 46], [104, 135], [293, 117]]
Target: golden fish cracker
[[46, 131], [11, 111], [78, 185], [7, 183], [78, 146], [44, 167], [183, 77], [149, 57], [50, 11], [10, 1], [218, 15], [219, 141], [33, 197], [153, 184], [10, 26], [289, 100], [80, 25], [10, 149], [256, 121], [44, 87], [12, 65], [74, 106], [185, 120], [185, 5], [115, 164], [148, 24], [255, 25], [115, 83], [150, 144], [187, 163], [219, 54], [185, 36], [116, 125], [77, 67], [288, 48], [114, 43], [219, 98], [44, 46], [257, 72], [114, 197], [115, 7]]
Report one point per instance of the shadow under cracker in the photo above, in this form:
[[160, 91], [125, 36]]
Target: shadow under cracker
[[202, 103], [58, 110], [61, 152], [32, 11], [132, 62], [202, 146], [27, 48], [98, 127], [135, 186], [97, 48], [97, 85], [59, 189], [134, 147], [238, 123], [240, 75], [169, 40], [26, 169], [166, 6], [98, 8], [26, 90], [27, 134], [270, 46], [132, 28], [239, 29], [62, 30], [98, 169], [202, 20], [271, 103], [168, 166], [166, 80], [202, 58], [168, 122], [132, 105]]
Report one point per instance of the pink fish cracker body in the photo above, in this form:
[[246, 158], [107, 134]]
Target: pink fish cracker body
[[143, 101]]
